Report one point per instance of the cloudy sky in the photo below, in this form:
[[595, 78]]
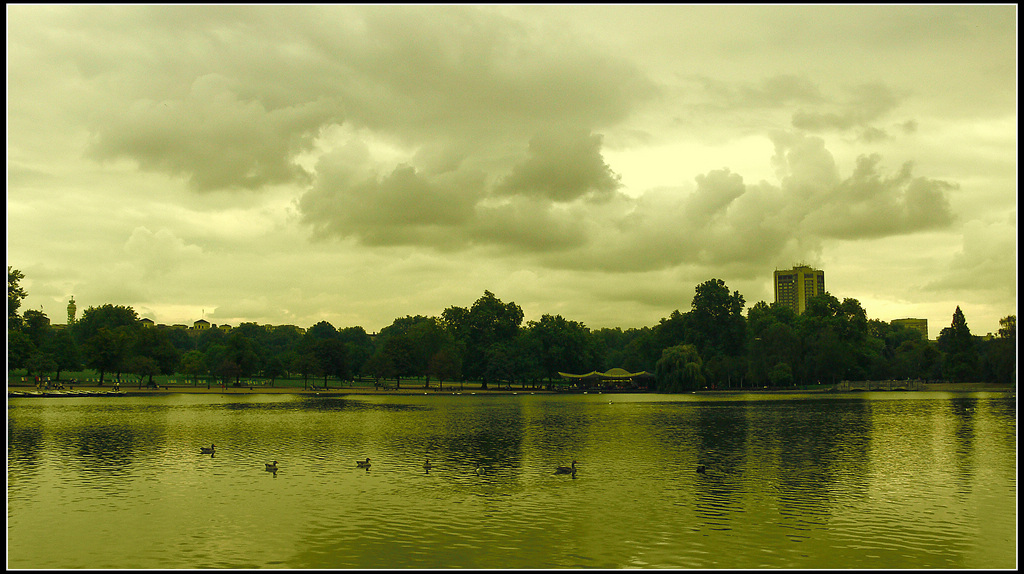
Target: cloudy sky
[[354, 164]]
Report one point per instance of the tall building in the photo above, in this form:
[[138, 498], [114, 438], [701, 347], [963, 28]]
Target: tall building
[[919, 324], [72, 309], [795, 286]]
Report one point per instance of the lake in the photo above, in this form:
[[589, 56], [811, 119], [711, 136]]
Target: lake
[[856, 480]]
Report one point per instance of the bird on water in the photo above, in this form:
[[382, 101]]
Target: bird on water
[[363, 463], [272, 466], [566, 469], [205, 450]]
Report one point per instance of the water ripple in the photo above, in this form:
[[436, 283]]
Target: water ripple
[[789, 484]]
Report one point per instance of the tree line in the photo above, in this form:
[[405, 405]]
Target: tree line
[[713, 345]]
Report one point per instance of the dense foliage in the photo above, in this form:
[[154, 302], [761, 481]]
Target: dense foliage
[[711, 345]]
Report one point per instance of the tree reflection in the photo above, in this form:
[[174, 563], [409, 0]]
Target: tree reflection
[[722, 435], [811, 446], [964, 411]]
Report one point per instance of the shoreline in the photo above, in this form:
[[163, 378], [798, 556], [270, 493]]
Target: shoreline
[[134, 391]]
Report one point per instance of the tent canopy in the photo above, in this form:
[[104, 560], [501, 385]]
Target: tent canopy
[[615, 374]]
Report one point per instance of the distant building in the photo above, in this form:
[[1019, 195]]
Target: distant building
[[919, 324], [146, 322], [72, 311], [201, 325], [795, 286]]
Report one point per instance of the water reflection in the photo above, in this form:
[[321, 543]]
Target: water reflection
[[721, 447], [817, 482], [963, 410]]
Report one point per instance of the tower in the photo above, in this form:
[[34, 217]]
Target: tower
[[795, 286], [71, 310]]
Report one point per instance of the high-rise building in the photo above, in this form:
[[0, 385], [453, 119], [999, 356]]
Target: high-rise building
[[919, 324], [795, 286], [72, 309]]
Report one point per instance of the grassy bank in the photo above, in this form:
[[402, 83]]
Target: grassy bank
[[19, 379]]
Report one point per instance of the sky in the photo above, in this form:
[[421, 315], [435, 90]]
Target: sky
[[360, 163]]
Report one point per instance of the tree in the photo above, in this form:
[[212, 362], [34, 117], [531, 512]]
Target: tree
[[303, 361], [487, 323], [560, 345], [398, 358], [674, 330], [244, 353], [15, 295], [642, 351], [446, 364], [221, 364], [379, 366], [322, 330], [156, 344], [679, 370], [36, 325], [429, 338], [781, 375], [19, 349], [834, 337], [107, 350], [106, 335], [192, 365], [772, 339], [142, 367], [717, 326], [499, 363], [960, 354], [331, 359], [1000, 353], [358, 347], [281, 340], [61, 346], [41, 364], [105, 316]]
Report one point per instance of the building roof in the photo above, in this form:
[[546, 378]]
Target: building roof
[[615, 374]]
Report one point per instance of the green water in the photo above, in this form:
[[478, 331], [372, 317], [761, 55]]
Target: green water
[[867, 480]]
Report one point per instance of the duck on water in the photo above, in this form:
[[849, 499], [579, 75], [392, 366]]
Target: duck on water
[[566, 469]]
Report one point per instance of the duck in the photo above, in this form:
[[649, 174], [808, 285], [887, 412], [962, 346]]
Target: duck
[[566, 469], [363, 463], [700, 468], [205, 450], [272, 466], [479, 470]]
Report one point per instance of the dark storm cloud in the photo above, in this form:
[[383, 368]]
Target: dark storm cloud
[[246, 92], [463, 72], [402, 207], [563, 165], [771, 92], [525, 224], [213, 138], [722, 221], [865, 103], [870, 204], [448, 208]]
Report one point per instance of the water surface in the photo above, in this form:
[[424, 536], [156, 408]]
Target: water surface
[[864, 480]]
